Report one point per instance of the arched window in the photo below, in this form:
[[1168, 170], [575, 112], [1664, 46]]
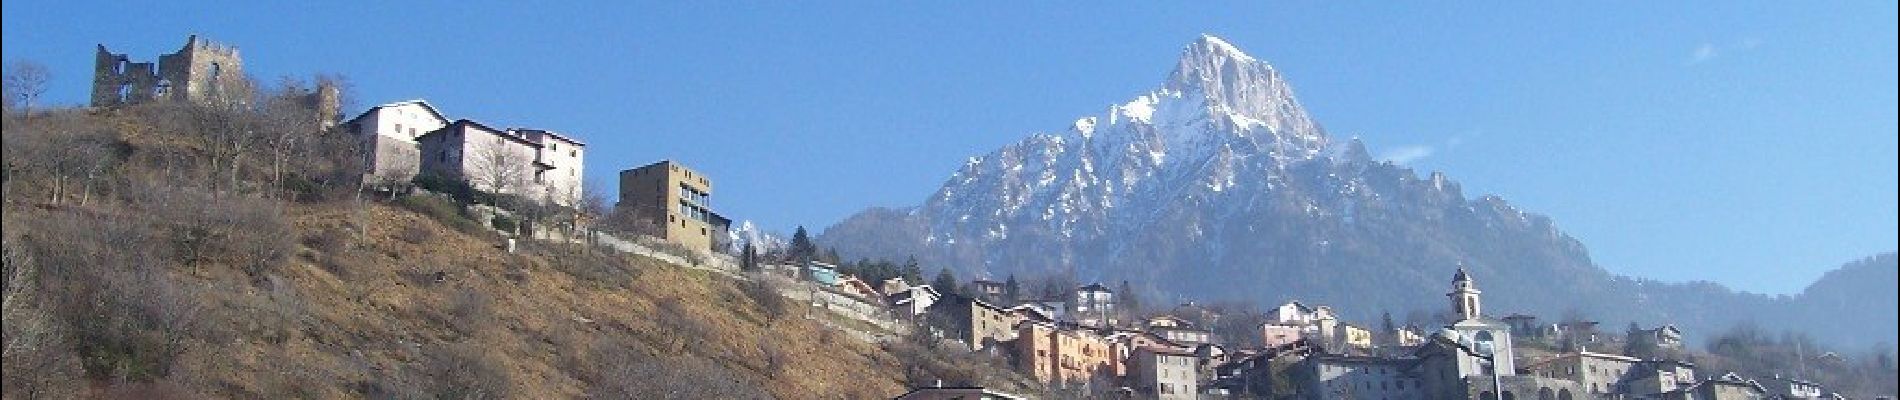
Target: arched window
[[1564, 394], [1545, 394], [1486, 395], [1510, 396]]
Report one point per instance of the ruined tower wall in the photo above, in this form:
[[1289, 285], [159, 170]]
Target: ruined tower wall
[[202, 70]]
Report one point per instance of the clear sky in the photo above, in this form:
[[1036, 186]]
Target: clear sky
[[1751, 144]]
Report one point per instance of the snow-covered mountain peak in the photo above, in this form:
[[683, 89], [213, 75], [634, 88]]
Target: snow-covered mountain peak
[[747, 232], [1240, 88]]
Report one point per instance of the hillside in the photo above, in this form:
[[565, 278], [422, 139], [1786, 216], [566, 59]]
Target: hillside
[[178, 273], [1218, 185]]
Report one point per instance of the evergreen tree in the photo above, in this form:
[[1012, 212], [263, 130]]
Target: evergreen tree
[[1129, 303], [1634, 347], [1012, 291], [831, 256], [802, 247], [912, 273], [946, 281], [749, 259]]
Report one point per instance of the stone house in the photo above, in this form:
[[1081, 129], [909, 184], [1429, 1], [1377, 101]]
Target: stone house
[[1596, 373], [1332, 376], [983, 326], [1164, 373], [1665, 337], [1726, 387], [1784, 387], [992, 291]]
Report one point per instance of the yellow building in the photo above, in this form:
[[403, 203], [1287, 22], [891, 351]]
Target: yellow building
[[1355, 336], [673, 203], [1066, 356]]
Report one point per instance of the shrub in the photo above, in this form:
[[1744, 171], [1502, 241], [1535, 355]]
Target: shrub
[[675, 249], [455, 188], [106, 278], [415, 234], [632, 374], [766, 295], [469, 311], [38, 363], [328, 241], [441, 210], [592, 267], [467, 371], [503, 223], [243, 231]]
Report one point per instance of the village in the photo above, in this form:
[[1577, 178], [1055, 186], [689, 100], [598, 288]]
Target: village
[[1086, 337]]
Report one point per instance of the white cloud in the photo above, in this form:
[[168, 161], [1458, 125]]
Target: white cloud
[[1709, 51], [1407, 154], [1703, 53]]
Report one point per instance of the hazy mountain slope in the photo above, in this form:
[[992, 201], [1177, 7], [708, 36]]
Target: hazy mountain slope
[[1857, 301]]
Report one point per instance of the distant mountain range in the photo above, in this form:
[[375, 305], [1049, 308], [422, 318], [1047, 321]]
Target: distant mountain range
[[1218, 185]]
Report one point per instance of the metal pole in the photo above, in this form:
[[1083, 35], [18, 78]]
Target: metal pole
[[1497, 380]]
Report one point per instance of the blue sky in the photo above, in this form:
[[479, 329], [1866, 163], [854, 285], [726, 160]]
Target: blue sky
[[1751, 144]]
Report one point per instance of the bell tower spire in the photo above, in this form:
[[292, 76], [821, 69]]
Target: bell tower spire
[[1464, 295]]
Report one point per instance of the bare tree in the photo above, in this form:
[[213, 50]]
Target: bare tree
[[634, 220], [228, 130], [590, 205], [467, 371], [38, 364], [499, 168], [288, 120], [65, 151], [394, 176], [25, 82]]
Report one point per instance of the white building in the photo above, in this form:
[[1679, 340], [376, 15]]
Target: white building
[[536, 164], [914, 300], [388, 133], [558, 164], [1294, 320], [1093, 305]]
